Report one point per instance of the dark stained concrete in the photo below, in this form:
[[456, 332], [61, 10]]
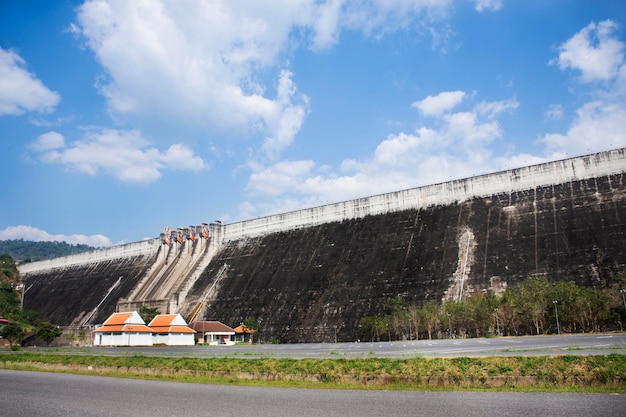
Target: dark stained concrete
[[67, 296], [302, 283]]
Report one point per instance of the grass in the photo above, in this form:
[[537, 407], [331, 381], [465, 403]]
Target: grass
[[598, 373]]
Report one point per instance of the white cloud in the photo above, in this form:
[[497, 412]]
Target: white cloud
[[383, 16], [494, 108], [287, 118], [48, 141], [482, 5], [594, 51], [125, 155], [598, 126], [459, 146], [38, 235], [278, 178], [197, 62], [439, 104], [201, 62], [326, 24], [600, 123], [21, 91], [554, 112]]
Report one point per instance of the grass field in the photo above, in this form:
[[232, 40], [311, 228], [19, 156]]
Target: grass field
[[572, 373]]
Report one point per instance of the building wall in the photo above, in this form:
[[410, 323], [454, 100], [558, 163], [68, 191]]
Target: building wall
[[174, 339], [123, 339]]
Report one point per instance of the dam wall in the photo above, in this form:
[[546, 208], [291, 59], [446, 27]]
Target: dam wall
[[305, 284], [310, 272]]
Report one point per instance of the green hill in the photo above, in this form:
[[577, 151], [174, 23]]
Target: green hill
[[28, 251]]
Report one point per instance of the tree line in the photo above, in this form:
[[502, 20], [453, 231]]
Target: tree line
[[28, 251], [533, 307], [19, 324]]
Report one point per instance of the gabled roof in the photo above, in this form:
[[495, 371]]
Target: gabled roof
[[211, 327], [131, 317], [124, 328], [172, 329], [170, 323], [130, 322], [244, 329], [167, 320]]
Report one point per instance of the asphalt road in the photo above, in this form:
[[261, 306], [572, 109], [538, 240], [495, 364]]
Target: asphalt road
[[36, 394], [585, 344]]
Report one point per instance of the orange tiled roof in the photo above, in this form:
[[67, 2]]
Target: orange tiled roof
[[117, 318], [244, 329], [162, 320], [124, 328], [172, 329]]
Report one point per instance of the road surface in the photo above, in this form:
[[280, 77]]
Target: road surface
[[36, 394], [583, 344]]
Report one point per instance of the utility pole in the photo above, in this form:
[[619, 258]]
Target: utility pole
[[497, 322], [556, 313]]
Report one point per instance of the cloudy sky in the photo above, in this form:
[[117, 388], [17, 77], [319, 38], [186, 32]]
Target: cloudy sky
[[119, 118]]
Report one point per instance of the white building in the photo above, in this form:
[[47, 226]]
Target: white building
[[171, 330], [123, 329], [214, 333]]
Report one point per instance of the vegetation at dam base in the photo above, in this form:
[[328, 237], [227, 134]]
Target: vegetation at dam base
[[19, 323], [533, 307], [596, 373]]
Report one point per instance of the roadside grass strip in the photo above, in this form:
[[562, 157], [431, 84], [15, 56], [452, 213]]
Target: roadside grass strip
[[570, 373]]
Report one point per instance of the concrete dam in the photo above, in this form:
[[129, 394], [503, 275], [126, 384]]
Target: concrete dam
[[310, 273]]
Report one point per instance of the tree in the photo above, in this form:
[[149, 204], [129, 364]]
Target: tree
[[371, 327], [9, 301], [415, 321], [13, 332], [48, 332], [8, 270], [430, 313], [147, 313], [254, 324], [530, 301]]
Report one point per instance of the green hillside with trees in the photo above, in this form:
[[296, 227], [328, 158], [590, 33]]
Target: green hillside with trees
[[28, 251], [18, 324]]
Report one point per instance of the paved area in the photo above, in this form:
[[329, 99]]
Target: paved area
[[36, 394], [584, 344]]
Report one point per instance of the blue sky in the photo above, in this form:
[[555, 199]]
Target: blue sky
[[119, 118]]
